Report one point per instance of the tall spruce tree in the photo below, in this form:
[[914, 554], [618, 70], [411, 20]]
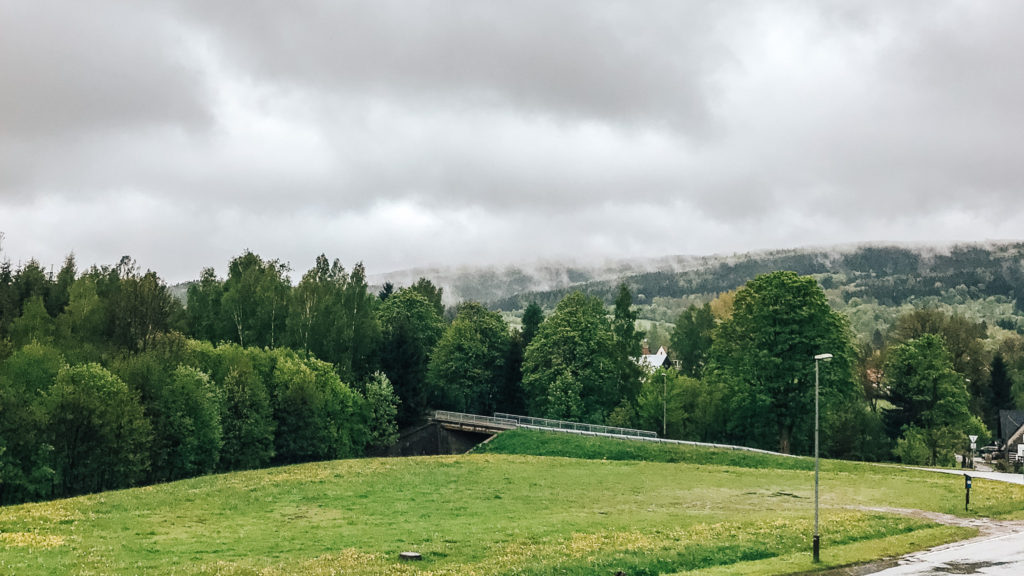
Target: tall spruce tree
[[627, 346]]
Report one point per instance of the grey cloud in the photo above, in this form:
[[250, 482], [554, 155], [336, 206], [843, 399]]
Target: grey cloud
[[68, 67], [451, 128], [610, 61]]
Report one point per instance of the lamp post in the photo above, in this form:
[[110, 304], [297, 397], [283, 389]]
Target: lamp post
[[816, 542], [664, 406]]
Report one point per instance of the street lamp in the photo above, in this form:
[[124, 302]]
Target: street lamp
[[664, 405], [816, 543]]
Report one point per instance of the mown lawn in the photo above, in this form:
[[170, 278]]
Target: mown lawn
[[495, 513]]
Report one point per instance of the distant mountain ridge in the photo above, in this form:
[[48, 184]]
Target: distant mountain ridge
[[885, 273], [491, 283]]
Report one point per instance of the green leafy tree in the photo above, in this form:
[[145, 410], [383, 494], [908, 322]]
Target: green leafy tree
[[623, 416], [10, 304], [80, 327], [964, 339], [432, 293], [660, 404], [411, 327], [533, 317], [1001, 384], [312, 308], [764, 355], [26, 463], [332, 317], [255, 300], [691, 339], [203, 311], [59, 293], [31, 281], [246, 413], [512, 397], [382, 411], [569, 369], [182, 403], [318, 417], [627, 345], [139, 306], [34, 324], [189, 429], [930, 403], [564, 400], [681, 407], [98, 430], [467, 368], [357, 328]]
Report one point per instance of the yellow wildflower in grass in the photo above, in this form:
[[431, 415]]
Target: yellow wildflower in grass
[[30, 540]]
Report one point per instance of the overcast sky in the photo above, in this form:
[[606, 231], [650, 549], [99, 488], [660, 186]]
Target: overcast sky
[[413, 133]]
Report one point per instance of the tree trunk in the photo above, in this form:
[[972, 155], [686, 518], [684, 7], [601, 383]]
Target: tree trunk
[[784, 434]]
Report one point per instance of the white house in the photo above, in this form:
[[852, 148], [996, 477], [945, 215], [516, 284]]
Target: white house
[[652, 362]]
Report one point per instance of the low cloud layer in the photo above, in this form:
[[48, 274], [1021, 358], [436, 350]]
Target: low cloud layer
[[402, 135]]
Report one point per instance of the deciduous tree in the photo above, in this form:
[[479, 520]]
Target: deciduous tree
[[765, 353], [98, 430], [930, 403], [411, 327], [569, 369], [205, 319], [255, 300], [189, 430], [963, 339], [26, 463], [467, 368]]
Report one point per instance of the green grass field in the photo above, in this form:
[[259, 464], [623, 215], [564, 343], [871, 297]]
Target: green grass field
[[619, 505]]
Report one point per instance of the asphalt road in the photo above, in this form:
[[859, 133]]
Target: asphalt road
[[999, 551], [998, 555]]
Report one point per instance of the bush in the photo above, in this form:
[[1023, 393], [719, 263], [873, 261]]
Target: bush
[[99, 433]]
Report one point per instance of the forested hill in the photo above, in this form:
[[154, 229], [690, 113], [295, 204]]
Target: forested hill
[[496, 283], [886, 275]]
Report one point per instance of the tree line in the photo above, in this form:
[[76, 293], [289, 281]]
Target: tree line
[[913, 392], [888, 275], [107, 380]]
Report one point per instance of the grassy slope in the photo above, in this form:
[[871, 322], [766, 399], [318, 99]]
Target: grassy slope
[[493, 514]]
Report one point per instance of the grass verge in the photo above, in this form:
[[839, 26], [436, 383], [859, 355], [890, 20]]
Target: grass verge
[[493, 513]]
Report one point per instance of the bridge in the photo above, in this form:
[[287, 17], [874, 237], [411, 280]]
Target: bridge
[[456, 432], [474, 422], [449, 432]]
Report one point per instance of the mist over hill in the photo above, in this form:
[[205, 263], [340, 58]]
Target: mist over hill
[[493, 283], [888, 274]]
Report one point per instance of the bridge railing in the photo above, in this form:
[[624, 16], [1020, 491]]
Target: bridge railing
[[578, 426], [462, 418]]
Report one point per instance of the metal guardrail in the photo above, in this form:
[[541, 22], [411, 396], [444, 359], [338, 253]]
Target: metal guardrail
[[501, 419], [462, 418], [659, 440], [576, 426]]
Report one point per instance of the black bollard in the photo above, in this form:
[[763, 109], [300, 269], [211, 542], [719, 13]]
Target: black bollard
[[967, 492]]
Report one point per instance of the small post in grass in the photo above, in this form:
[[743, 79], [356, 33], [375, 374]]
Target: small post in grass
[[967, 493]]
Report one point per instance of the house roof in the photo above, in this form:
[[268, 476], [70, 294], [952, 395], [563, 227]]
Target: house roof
[[1009, 422], [654, 361]]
